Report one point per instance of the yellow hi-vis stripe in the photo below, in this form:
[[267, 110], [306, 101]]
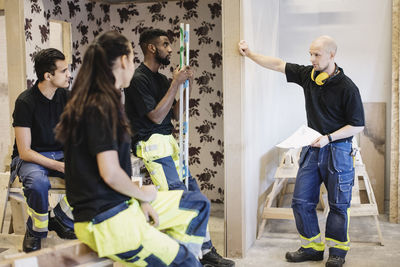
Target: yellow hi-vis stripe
[[313, 242], [40, 221], [66, 208]]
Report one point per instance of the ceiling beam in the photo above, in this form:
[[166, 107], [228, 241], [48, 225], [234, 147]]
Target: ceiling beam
[[129, 1]]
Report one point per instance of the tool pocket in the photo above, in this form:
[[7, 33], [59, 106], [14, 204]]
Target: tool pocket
[[340, 159], [344, 189], [305, 156]]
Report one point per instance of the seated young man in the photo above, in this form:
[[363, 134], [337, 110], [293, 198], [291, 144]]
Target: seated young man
[[36, 154]]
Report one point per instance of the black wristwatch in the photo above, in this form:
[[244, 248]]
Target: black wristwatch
[[329, 138]]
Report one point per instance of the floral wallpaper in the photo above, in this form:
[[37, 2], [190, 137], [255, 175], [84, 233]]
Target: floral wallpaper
[[88, 19]]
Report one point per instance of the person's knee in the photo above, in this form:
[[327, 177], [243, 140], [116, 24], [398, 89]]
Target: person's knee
[[302, 204], [36, 181], [339, 208], [195, 200]]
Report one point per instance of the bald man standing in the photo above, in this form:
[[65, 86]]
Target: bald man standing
[[334, 108]]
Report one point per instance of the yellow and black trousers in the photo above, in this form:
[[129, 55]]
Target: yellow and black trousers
[[160, 154], [123, 234]]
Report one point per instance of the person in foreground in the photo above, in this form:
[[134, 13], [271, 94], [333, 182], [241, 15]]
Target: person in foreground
[[37, 155], [114, 216], [150, 106], [334, 108]]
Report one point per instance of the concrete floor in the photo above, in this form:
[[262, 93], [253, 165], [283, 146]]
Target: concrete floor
[[281, 236]]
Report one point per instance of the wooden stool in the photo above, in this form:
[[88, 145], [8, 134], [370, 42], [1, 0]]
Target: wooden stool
[[13, 193]]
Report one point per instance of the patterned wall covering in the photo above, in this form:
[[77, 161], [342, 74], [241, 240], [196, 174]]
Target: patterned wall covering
[[206, 107]]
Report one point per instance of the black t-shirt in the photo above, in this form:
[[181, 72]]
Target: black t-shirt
[[35, 111], [146, 90], [87, 192], [331, 106]]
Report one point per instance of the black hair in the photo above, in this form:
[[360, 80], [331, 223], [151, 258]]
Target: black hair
[[148, 36], [45, 61]]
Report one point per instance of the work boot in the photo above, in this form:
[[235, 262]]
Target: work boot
[[31, 243], [303, 254], [335, 261], [62, 231], [213, 259]]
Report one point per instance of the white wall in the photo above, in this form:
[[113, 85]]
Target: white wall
[[273, 108], [362, 29], [261, 101]]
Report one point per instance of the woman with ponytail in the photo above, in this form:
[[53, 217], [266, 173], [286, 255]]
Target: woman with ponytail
[[113, 215]]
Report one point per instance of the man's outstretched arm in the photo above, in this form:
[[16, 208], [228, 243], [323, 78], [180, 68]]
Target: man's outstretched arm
[[272, 63]]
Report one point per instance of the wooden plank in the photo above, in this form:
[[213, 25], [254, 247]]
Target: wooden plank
[[364, 210], [278, 213], [4, 181], [55, 183], [70, 253], [67, 42], [16, 63], [235, 171], [372, 142], [19, 214], [15, 241], [11, 241]]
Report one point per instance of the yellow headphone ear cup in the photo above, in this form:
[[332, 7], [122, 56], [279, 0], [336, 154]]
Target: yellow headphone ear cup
[[320, 79]]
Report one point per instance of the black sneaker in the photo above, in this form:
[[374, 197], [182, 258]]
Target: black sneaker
[[213, 259], [62, 231], [31, 243], [335, 261], [303, 254]]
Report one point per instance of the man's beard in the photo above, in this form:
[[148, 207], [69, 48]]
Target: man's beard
[[164, 61]]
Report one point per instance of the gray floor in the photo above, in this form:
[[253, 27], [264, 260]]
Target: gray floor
[[281, 236]]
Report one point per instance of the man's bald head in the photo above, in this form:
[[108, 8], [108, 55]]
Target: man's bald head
[[327, 43]]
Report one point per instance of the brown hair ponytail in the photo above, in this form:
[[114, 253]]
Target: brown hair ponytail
[[94, 89]]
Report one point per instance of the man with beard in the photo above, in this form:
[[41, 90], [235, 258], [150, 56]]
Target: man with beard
[[150, 105], [334, 108]]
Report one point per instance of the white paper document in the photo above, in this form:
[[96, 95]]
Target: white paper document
[[303, 136]]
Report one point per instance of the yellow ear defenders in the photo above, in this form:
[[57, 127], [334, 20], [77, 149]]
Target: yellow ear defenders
[[323, 77], [320, 79]]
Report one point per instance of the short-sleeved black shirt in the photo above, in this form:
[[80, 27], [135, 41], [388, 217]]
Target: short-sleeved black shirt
[[331, 106], [146, 90], [35, 111], [87, 192]]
